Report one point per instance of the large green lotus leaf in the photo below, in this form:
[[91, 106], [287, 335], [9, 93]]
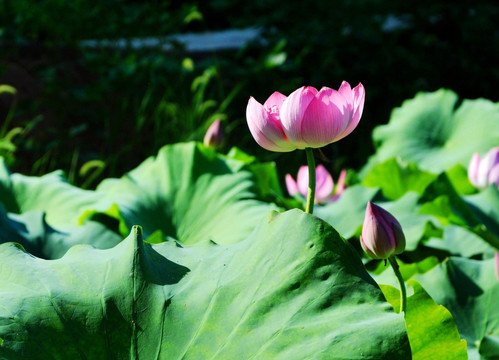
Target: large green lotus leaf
[[61, 202], [432, 332], [485, 206], [38, 238], [477, 213], [458, 240], [470, 290], [458, 176], [189, 193], [292, 290], [7, 197], [41, 214], [431, 132], [395, 178], [265, 174], [347, 213]]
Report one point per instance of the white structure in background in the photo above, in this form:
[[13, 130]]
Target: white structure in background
[[192, 42]]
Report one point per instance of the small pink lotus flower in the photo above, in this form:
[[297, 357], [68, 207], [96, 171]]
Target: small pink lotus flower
[[484, 172], [340, 185], [313, 119], [265, 124], [324, 184], [214, 136], [307, 118], [382, 235]]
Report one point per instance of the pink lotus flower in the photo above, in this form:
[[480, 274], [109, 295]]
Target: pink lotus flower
[[214, 136], [382, 235], [484, 172], [313, 119], [324, 184], [307, 118], [265, 124]]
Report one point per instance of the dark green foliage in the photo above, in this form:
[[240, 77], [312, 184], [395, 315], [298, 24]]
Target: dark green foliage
[[87, 97]]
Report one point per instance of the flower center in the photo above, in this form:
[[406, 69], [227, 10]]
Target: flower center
[[274, 110]]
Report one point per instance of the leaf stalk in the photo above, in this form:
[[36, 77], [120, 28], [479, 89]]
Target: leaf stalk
[[403, 293]]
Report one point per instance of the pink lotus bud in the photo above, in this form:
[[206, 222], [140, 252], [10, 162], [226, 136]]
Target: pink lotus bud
[[484, 172], [265, 124], [324, 184], [214, 136], [382, 235], [313, 119]]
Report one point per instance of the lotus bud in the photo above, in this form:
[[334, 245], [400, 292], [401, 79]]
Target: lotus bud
[[382, 235], [484, 172], [214, 136]]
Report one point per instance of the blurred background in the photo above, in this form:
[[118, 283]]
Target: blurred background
[[97, 86]]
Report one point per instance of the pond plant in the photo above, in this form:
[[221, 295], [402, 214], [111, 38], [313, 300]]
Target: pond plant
[[198, 253]]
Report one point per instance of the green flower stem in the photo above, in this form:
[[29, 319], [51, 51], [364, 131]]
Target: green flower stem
[[311, 181], [403, 293]]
